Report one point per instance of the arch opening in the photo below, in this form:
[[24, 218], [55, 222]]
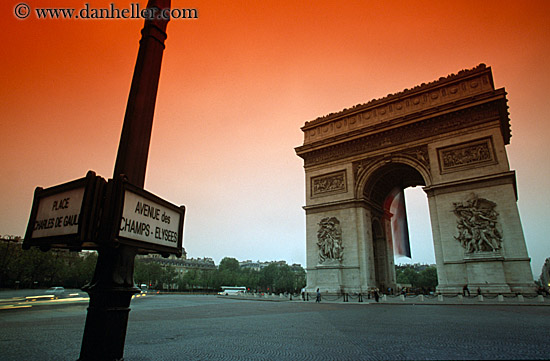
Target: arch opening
[[377, 188]]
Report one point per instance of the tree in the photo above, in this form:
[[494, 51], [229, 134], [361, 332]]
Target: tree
[[229, 270], [284, 281], [167, 277], [418, 276], [281, 278], [229, 264], [299, 279], [428, 278], [149, 273], [267, 277]]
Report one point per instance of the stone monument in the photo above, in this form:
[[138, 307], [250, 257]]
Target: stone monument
[[449, 137]]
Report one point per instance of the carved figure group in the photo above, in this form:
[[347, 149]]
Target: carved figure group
[[329, 184], [329, 239], [467, 155], [477, 225]]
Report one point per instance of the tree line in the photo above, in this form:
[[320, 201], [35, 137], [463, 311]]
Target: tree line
[[36, 269], [420, 277], [274, 278]]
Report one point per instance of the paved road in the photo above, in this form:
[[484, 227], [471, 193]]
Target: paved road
[[177, 327]]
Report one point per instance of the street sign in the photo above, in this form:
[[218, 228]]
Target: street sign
[[148, 221], [63, 216]]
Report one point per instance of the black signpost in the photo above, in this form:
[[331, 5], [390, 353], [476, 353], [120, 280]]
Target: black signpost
[[118, 218], [113, 285]]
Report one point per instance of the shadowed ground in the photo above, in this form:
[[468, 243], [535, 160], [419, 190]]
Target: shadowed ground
[[178, 327]]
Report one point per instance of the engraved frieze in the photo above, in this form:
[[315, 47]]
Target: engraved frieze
[[466, 155], [329, 183]]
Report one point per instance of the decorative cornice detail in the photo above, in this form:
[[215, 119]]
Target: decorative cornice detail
[[449, 90], [508, 177], [408, 133]]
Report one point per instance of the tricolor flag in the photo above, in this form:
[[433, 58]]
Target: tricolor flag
[[395, 204]]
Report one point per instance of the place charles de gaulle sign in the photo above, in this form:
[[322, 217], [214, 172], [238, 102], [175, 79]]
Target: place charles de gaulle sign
[[89, 212]]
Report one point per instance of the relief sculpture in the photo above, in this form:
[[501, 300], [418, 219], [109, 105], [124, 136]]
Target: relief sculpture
[[477, 225], [329, 240], [459, 157], [467, 155], [334, 182]]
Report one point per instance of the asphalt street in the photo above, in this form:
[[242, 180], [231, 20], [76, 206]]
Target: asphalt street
[[179, 327]]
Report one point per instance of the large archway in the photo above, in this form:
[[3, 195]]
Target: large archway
[[449, 137], [378, 185]]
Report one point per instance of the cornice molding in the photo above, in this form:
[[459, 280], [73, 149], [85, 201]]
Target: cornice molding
[[411, 132], [449, 90], [508, 177]]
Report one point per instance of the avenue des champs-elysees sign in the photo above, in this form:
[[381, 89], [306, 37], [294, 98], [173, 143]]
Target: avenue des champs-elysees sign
[[144, 220], [88, 212]]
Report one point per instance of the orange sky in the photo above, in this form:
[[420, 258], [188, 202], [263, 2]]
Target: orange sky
[[236, 86]]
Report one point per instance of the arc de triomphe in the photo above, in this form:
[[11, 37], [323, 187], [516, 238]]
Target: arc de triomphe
[[449, 137]]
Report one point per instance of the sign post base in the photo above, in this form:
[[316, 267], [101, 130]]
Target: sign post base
[[110, 293]]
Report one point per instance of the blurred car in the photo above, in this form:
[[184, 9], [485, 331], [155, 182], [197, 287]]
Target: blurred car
[[55, 291]]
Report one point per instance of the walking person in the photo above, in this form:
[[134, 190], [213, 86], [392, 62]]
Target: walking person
[[318, 299], [465, 290], [376, 295], [303, 293]]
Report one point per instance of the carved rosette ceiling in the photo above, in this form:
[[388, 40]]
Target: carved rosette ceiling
[[477, 225], [329, 240]]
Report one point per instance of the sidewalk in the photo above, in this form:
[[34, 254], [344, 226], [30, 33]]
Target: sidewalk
[[501, 300]]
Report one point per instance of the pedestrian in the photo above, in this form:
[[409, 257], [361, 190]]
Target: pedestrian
[[479, 291], [465, 290], [318, 299], [303, 293], [376, 295]]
